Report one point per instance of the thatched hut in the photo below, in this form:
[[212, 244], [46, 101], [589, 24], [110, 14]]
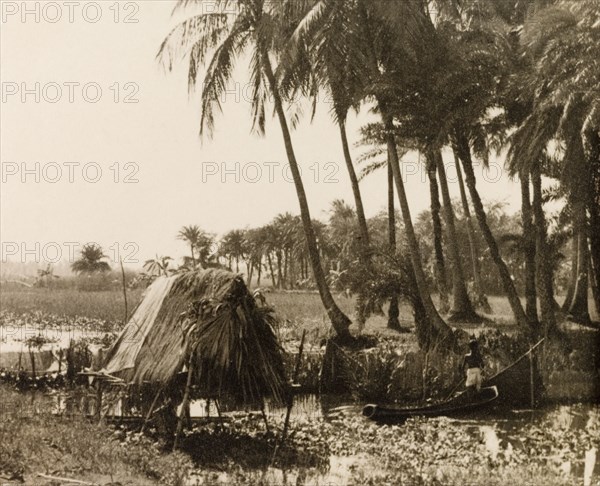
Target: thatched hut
[[207, 321]]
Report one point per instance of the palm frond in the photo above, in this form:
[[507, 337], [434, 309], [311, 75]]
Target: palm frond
[[372, 167], [219, 72], [195, 36]]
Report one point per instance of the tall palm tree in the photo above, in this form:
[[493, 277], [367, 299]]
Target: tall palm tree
[[481, 298], [372, 136], [440, 266], [474, 58], [340, 74], [564, 107], [232, 28], [529, 247], [462, 309], [384, 32]]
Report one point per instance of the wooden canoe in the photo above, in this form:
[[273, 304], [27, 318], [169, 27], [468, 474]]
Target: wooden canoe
[[464, 402]]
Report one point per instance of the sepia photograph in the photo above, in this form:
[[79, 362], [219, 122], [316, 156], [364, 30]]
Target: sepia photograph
[[300, 242]]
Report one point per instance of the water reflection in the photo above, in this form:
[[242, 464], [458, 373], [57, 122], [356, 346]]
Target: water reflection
[[306, 407]]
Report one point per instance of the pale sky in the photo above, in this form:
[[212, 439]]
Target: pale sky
[[177, 179]]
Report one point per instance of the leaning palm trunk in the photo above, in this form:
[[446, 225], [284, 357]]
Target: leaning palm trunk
[[464, 153], [440, 329], [440, 266], [339, 320], [360, 211], [529, 239], [482, 300], [462, 309]]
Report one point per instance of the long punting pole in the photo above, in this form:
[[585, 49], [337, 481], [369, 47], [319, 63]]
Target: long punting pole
[[531, 374]]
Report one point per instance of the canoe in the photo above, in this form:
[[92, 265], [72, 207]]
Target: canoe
[[464, 402]]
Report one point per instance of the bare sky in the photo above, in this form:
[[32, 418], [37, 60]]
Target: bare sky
[[156, 174]]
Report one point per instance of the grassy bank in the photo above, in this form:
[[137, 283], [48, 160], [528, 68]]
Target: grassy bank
[[33, 441]]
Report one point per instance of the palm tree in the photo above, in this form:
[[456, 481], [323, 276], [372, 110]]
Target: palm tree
[[462, 309], [232, 28], [158, 266], [529, 247], [473, 93], [233, 246], [440, 265], [481, 298], [191, 235], [383, 33], [341, 75], [90, 261], [564, 107], [373, 137]]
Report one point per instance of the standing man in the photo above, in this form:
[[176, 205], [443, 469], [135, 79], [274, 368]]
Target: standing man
[[473, 364]]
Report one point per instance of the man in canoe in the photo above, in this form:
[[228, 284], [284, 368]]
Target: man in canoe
[[473, 364]]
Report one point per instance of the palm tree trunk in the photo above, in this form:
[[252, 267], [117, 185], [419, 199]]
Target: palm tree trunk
[[578, 310], [544, 270], [250, 272], [573, 277], [286, 261], [193, 258], [464, 153], [259, 271], [592, 143], [360, 211], [270, 261], [339, 320], [440, 266], [462, 309], [529, 239], [594, 271], [438, 325], [279, 274], [394, 308], [482, 300]]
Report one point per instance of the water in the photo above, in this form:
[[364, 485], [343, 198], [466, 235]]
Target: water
[[502, 433]]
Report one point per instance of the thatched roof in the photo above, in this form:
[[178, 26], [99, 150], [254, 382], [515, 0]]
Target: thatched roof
[[211, 314]]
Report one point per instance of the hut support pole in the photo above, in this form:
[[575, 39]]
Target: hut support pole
[[288, 412], [98, 399], [185, 402], [264, 415], [151, 409], [218, 407]]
